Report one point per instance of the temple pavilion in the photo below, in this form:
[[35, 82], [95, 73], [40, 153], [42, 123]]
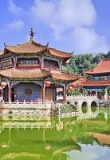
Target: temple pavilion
[[99, 78], [32, 72]]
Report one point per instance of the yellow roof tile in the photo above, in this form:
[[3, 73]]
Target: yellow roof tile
[[60, 53], [28, 47], [34, 47], [65, 76], [1, 52], [22, 74], [34, 73]]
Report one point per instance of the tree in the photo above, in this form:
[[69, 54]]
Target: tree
[[108, 54], [108, 90], [83, 62]]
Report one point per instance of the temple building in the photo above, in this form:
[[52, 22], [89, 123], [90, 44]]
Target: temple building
[[32, 72], [99, 78]]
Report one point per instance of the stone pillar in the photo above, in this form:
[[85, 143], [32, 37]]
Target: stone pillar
[[96, 93], [89, 106], [79, 107], [106, 94]]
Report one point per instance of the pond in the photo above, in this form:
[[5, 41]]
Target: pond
[[50, 138]]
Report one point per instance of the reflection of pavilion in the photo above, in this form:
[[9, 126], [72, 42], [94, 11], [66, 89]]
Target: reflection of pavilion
[[40, 143], [33, 123], [49, 143]]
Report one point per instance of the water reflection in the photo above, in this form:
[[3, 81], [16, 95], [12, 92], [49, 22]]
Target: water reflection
[[49, 138]]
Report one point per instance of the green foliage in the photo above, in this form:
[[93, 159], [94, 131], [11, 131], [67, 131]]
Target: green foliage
[[67, 108], [108, 54], [102, 93], [84, 92], [83, 62], [74, 91], [108, 90]]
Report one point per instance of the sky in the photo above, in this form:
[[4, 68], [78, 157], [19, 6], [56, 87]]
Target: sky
[[91, 152], [82, 26]]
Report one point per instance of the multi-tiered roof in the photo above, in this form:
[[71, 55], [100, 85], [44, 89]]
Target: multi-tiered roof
[[33, 48]]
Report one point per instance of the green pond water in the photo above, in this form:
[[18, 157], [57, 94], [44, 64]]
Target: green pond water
[[83, 137]]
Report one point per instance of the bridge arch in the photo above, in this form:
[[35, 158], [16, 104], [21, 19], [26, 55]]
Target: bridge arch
[[93, 106], [93, 103], [84, 107]]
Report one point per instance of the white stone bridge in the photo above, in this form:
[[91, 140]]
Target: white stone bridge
[[80, 101]]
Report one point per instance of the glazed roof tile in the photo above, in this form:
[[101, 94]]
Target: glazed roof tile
[[22, 74], [96, 83], [102, 67], [80, 80], [34, 47], [64, 76], [60, 53], [34, 73], [28, 47]]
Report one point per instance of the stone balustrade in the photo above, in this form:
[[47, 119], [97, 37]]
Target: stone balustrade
[[24, 107]]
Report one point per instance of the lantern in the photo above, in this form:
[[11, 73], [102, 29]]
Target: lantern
[[70, 88], [73, 85], [47, 83], [3, 84]]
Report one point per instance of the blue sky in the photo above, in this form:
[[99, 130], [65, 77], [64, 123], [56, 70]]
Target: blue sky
[[82, 26]]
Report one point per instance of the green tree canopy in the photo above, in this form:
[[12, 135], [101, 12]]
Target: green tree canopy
[[83, 62]]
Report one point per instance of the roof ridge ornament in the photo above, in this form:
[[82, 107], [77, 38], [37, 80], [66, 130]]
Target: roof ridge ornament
[[32, 34], [47, 45], [4, 44], [72, 52]]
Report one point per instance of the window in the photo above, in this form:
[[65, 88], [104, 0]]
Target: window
[[6, 63], [28, 92], [96, 78], [28, 62], [108, 77], [50, 64], [101, 78]]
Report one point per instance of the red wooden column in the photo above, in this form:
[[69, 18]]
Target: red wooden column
[[9, 93], [43, 93], [65, 93], [42, 62]]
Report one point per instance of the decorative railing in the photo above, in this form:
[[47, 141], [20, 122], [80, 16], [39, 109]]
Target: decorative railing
[[60, 97], [81, 97], [26, 105], [26, 108]]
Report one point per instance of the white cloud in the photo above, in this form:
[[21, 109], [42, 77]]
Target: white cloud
[[69, 13], [57, 31], [13, 8], [16, 25], [86, 39], [73, 19]]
